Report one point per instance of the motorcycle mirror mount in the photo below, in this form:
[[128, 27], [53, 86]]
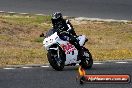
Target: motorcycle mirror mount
[[42, 35]]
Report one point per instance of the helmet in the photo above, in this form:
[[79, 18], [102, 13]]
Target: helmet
[[57, 15]]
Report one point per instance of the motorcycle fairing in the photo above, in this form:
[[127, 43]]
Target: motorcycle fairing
[[69, 49], [71, 53]]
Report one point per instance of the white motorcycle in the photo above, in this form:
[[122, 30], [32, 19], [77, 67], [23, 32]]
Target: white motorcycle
[[62, 53]]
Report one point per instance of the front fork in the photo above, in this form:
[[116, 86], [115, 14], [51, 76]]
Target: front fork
[[57, 58], [58, 52]]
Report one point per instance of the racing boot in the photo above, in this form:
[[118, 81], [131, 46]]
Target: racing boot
[[75, 42]]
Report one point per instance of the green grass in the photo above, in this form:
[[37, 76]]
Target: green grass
[[20, 42], [39, 40]]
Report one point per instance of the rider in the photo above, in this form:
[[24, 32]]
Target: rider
[[64, 25]]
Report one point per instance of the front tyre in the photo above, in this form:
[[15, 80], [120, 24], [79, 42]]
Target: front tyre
[[56, 63]]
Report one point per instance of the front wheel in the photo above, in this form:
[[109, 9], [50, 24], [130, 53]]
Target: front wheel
[[56, 62], [87, 61]]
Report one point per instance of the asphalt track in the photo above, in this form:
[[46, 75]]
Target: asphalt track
[[105, 9], [46, 77]]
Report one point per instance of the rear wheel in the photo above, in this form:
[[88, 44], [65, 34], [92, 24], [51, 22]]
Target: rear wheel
[[57, 62], [87, 61]]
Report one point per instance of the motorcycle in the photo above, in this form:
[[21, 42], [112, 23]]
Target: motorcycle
[[62, 53]]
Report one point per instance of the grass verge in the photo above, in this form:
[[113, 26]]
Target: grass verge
[[20, 42]]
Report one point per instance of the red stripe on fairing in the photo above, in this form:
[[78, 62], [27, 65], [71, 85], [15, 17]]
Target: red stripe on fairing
[[69, 47]]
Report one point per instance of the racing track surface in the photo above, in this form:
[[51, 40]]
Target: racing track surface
[[46, 77], [115, 9]]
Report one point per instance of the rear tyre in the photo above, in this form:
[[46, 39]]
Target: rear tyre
[[56, 63], [87, 61]]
